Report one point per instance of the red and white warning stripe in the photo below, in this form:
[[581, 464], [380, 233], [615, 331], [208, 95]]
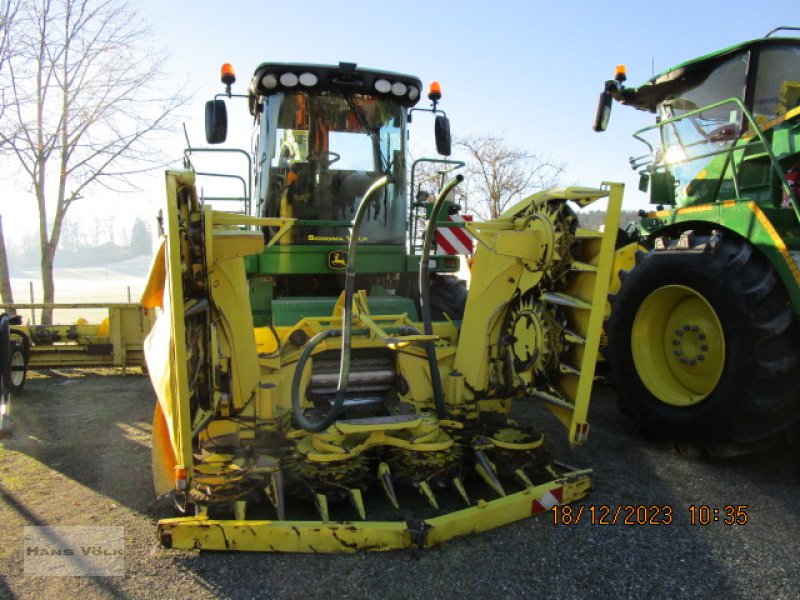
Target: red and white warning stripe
[[547, 501], [454, 240]]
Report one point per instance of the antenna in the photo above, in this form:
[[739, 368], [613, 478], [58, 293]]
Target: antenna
[[782, 28], [187, 163]]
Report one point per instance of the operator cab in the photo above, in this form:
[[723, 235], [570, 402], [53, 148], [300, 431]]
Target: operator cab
[[321, 151], [707, 107], [324, 135]]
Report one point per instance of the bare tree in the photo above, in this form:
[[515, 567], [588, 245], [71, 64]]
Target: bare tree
[[87, 105], [8, 12], [501, 175]]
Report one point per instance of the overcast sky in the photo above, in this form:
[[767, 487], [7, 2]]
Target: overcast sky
[[527, 71]]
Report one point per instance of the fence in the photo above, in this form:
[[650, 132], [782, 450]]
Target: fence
[[30, 292]]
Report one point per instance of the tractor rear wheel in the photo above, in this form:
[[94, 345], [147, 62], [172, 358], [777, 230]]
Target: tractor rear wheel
[[448, 296], [704, 345]]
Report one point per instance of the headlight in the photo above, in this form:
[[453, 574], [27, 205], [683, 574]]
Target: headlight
[[289, 79], [308, 79], [269, 81], [383, 86], [399, 88]]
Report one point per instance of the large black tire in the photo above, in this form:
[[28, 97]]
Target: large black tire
[[448, 296], [704, 345]]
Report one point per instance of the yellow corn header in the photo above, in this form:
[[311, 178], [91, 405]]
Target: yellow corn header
[[114, 342], [362, 430]]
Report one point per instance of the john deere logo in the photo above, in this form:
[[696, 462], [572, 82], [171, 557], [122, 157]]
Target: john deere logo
[[337, 260]]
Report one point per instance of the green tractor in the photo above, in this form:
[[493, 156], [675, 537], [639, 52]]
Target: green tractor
[[703, 338], [323, 135]]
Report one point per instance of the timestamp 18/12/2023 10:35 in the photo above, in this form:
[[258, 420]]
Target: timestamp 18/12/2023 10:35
[[648, 514]]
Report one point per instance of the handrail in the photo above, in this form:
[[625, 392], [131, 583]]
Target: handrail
[[745, 138], [248, 187], [245, 199], [412, 205], [424, 295]]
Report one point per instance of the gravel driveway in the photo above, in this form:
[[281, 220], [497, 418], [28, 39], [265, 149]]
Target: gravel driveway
[[80, 456]]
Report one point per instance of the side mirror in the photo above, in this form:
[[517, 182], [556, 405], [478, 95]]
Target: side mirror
[[603, 112], [216, 121], [441, 129]]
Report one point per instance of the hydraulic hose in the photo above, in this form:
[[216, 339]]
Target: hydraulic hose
[[345, 332], [297, 411], [424, 295]]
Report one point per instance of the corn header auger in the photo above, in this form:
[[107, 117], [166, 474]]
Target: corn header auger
[[362, 430]]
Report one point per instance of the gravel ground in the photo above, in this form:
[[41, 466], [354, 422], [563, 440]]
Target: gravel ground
[[80, 456]]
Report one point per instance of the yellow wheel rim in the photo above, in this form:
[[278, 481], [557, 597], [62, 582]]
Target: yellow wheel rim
[[678, 345]]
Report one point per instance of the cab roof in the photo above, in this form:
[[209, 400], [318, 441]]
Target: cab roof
[[273, 78], [690, 73]]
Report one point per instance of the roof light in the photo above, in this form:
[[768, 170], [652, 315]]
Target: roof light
[[227, 74], [621, 73], [399, 88], [308, 79], [413, 92], [383, 86], [269, 81], [435, 92], [289, 79]]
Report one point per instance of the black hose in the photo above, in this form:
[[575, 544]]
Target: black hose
[[345, 332], [297, 412], [424, 293]]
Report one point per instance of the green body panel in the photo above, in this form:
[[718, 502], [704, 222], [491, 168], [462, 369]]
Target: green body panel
[[261, 292], [304, 261], [289, 311], [313, 260], [774, 231]]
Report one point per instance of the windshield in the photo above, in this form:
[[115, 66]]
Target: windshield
[[726, 81], [320, 154], [690, 144], [777, 82]]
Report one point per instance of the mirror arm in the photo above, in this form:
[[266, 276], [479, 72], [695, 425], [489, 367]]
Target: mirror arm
[[435, 111]]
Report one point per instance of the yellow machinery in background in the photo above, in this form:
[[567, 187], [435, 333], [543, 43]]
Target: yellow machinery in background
[[115, 342], [360, 430]]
